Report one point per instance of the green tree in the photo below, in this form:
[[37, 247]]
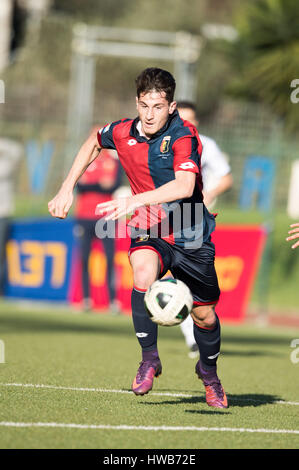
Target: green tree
[[266, 55]]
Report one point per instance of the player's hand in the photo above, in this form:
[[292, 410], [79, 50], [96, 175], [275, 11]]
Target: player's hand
[[60, 205], [295, 234], [118, 207]]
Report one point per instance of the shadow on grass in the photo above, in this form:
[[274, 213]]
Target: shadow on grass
[[234, 400], [261, 339], [212, 412], [237, 353], [256, 353], [11, 323], [23, 322]]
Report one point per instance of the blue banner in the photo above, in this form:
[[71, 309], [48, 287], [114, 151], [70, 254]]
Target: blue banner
[[39, 259]]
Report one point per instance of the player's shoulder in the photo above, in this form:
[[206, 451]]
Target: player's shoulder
[[182, 128], [122, 126]]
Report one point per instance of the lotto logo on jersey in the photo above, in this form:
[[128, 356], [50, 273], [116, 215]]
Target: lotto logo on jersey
[[164, 147], [132, 142], [187, 165]]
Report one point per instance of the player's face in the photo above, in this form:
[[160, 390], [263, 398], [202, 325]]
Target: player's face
[[153, 110], [188, 115]]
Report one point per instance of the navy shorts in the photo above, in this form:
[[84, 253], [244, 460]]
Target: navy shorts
[[194, 267]]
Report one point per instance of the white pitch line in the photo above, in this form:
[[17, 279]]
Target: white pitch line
[[124, 427], [159, 394], [83, 389]]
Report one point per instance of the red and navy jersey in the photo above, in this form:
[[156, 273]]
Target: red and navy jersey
[[151, 163]]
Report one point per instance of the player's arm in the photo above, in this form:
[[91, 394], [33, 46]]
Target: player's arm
[[180, 188], [294, 233], [215, 161], [185, 166], [225, 183], [60, 205]]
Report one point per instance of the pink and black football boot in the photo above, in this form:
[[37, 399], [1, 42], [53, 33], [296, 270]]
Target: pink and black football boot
[[144, 379], [215, 395]]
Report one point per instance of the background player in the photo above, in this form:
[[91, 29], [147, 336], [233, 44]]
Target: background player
[[10, 156], [96, 185], [217, 179], [160, 156], [216, 171]]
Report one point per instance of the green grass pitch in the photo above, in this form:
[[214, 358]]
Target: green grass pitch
[[65, 383]]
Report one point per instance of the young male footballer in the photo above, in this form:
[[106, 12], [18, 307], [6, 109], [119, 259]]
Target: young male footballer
[[170, 228]]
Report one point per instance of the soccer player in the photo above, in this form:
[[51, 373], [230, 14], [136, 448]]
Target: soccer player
[[217, 179], [160, 154], [294, 234]]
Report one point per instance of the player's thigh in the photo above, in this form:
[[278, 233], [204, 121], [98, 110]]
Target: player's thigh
[[197, 270], [146, 267]]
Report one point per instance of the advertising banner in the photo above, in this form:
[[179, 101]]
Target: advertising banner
[[39, 259], [43, 263], [238, 254]]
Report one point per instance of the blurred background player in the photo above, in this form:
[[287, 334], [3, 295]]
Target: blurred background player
[[217, 178], [96, 185], [10, 155], [216, 171]]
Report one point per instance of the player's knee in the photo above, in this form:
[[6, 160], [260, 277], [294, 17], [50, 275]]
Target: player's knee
[[144, 276], [204, 316]]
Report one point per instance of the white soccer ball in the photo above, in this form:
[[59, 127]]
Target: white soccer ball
[[168, 302]]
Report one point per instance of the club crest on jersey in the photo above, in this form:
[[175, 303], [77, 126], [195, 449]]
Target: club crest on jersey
[[164, 147], [142, 238]]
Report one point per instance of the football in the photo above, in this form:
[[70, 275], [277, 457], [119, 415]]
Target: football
[[168, 302]]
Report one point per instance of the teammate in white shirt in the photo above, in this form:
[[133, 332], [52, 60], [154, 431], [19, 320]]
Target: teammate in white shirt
[[217, 179]]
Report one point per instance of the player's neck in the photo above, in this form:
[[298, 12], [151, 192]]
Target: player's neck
[[140, 130]]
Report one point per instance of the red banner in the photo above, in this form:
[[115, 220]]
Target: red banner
[[238, 253]]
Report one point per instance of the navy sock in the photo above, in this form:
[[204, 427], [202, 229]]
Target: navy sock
[[208, 342], [146, 330]]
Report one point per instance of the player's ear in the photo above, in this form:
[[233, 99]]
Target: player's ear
[[172, 107], [137, 102]]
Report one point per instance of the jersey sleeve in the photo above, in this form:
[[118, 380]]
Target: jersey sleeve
[[105, 136], [187, 151]]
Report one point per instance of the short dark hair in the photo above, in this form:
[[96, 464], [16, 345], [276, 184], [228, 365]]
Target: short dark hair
[[156, 79], [187, 105]]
